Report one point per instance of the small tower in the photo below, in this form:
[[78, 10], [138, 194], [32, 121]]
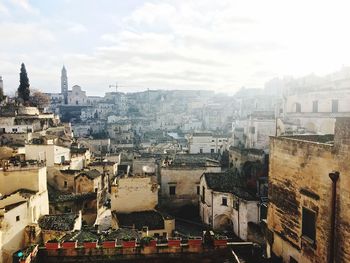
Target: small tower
[[64, 85]]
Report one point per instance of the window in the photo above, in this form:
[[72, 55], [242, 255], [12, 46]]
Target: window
[[315, 106], [14, 130], [200, 150], [212, 150], [224, 201], [309, 224], [334, 106], [297, 107], [212, 141], [198, 190], [172, 190], [17, 218], [65, 184]]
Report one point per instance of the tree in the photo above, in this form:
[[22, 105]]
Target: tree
[[39, 99], [2, 96], [23, 89]]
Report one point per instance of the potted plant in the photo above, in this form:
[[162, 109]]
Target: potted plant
[[174, 242], [69, 244], [90, 243], [220, 240], [128, 241], [52, 244], [148, 242], [195, 241]]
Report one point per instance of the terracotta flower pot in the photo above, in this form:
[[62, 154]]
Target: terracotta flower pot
[[52, 245], [108, 244], [69, 244], [220, 242], [151, 243], [128, 244], [195, 242], [90, 244], [174, 242]]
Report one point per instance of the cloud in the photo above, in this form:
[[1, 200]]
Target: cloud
[[4, 10], [24, 4], [77, 29], [220, 45], [25, 36]]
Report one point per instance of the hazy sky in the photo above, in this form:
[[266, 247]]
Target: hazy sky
[[201, 44]]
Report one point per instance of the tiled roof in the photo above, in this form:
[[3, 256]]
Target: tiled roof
[[58, 197], [194, 160], [92, 174], [11, 206], [122, 233], [227, 182], [152, 219], [81, 236], [61, 222], [23, 192]]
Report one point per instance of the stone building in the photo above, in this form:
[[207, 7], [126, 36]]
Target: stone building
[[313, 102], [61, 203], [308, 216], [150, 223], [77, 96], [226, 205], [48, 152], [180, 178], [23, 199], [56, 226], [206, 142], [134, 193], [88, 182]]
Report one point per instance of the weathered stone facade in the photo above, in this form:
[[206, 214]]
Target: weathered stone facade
[[299, 180]]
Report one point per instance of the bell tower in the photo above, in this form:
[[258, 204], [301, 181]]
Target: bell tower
[[64, 85]]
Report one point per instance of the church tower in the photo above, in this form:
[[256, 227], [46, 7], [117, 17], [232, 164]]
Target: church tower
[[64, 85]]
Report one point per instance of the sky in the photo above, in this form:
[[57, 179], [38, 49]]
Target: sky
[[219, 45]]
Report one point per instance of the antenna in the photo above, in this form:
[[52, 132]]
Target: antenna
[[114, 86]]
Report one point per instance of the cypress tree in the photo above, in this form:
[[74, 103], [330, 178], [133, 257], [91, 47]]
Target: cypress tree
[[23, 89]]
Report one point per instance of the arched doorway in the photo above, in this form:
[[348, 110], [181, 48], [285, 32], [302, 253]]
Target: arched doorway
[[223, 223]]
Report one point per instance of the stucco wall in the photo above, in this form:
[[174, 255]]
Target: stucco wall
[[134, 194], [50, 153], [186, 179], [32, 179]]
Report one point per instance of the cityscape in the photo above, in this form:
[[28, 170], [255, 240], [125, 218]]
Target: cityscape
[[102, 167]]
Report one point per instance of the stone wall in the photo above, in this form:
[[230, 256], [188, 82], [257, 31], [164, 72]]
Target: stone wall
[[299, 177]]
